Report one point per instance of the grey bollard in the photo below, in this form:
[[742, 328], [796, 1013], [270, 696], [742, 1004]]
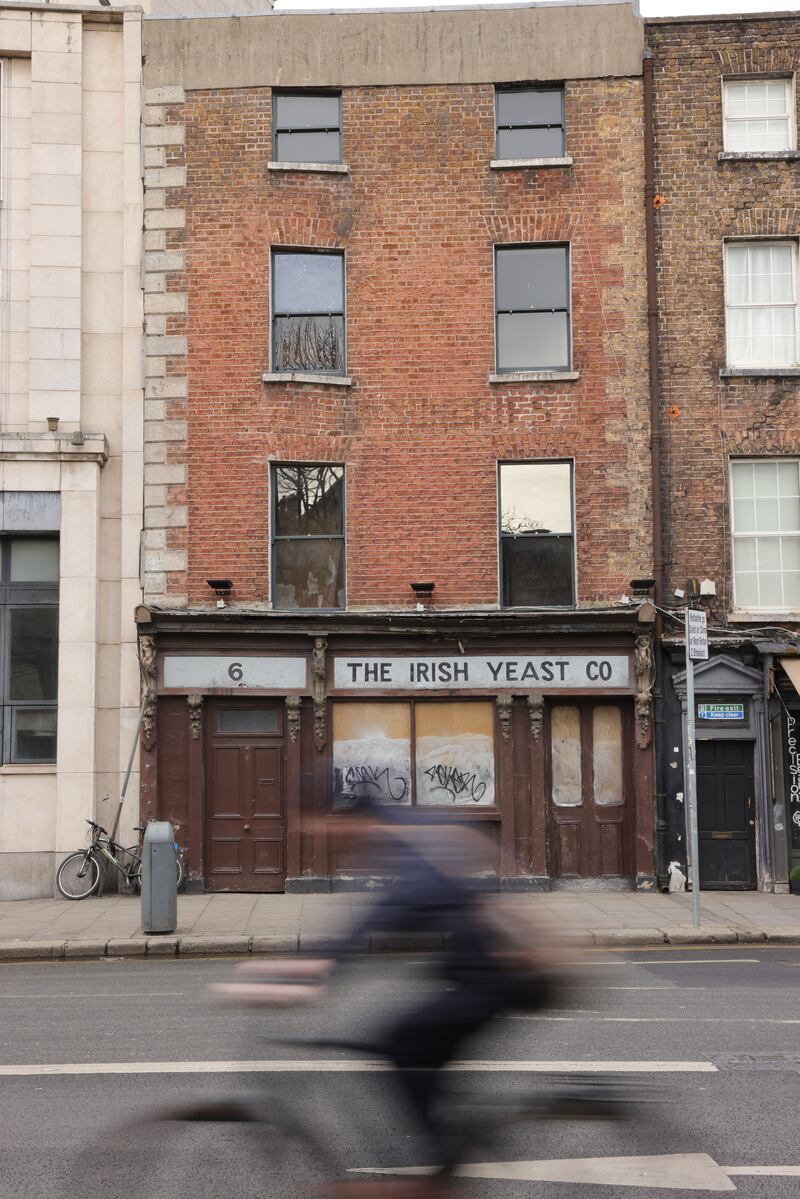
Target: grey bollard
[[159, 879]]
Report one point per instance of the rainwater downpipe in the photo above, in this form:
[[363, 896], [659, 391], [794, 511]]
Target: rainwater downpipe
[[652, 323]]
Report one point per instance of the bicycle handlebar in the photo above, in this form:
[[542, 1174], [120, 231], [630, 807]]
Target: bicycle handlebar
[[97, 826]]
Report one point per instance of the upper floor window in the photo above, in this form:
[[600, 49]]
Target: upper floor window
[[537, 540], [758, 115], [530, 122], [532, 297], [29, 574], [307, 127], [766, 533], [308, 550], [308, 331], [761, 304]]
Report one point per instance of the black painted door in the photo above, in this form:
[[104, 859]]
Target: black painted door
[[726, 815]]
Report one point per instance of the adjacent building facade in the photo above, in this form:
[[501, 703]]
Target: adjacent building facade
[[397, 439], [727, 164], [70, 426]]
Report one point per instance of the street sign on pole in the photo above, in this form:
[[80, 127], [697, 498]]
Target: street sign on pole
[[696, 650], [697, 635]]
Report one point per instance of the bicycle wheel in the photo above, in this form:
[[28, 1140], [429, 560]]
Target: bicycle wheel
[[203, 1150], [79, 875]]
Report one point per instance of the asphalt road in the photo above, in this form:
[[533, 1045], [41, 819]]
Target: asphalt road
[[710, 1035]]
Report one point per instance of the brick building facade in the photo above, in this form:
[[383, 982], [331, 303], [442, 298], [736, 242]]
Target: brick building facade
[[413, 355], [727, 166]]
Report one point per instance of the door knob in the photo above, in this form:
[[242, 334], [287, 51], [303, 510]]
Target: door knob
[[247, 828], [752, 821]]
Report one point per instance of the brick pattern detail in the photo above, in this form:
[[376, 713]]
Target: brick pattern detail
[[707, 420], [166, 381], [422, 429]]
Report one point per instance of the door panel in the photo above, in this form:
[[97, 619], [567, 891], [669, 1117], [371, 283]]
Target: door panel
[[245, 819], [589, 812], [726, 815]]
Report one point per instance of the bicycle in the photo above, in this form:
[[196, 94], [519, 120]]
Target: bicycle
[[82, 873], [262, 1147]]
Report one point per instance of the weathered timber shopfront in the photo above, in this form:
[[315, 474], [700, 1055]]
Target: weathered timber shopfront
[[258, 726]]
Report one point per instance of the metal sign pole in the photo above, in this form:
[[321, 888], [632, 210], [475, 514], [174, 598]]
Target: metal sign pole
[[691, 777]]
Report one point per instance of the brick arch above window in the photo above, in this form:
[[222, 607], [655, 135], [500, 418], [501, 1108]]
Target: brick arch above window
[[307, 447], [758, 60], [533, 227], [764, 222], [761, 441], [305, 231]]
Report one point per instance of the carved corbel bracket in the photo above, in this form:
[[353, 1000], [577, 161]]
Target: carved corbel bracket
[[504, 706], [195, 703], [645, 673], [147, 666], [536, 715], [293, 716], [319, 692]]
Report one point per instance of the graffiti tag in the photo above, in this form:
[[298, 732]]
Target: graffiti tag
[[375, 780], [457, 783]]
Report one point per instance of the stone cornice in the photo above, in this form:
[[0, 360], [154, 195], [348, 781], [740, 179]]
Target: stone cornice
[[53, 447]]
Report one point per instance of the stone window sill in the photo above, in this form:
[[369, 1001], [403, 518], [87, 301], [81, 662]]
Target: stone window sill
[[534, 376], [753, 372], [512, 164], [319, 168], [307, 377], [28, 768], [759, 156], [763, 617]]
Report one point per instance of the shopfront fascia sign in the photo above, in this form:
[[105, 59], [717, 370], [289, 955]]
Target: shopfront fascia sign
[[478, 672], [203, 672]]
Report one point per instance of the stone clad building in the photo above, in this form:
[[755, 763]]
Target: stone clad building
[[396, 439], [727, 169], [70, 426]]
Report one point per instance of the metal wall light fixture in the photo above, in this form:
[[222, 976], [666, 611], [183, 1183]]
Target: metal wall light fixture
[[222, 588]]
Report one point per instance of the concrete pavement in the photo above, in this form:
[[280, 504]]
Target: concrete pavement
[[231, 924]]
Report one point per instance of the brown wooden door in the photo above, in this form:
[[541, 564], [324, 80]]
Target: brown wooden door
[[245, 820], [589, 813]]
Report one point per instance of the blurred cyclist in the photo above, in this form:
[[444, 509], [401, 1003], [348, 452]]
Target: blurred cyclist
[[440, 872]]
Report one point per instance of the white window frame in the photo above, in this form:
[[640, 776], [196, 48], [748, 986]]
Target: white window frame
[[749, 534], [763, 243], [791, 103]]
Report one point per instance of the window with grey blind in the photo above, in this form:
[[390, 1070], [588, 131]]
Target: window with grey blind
[[530, 122], [307, 127], [532, 299], [308, 329]]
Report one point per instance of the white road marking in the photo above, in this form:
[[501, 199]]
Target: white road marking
[[763, 1171], [59, 995], [690, 962], [591, 1019], [673, 1171], [348, 1066]]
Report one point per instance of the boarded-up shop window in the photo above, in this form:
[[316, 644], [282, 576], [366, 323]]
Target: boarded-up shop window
[[565, 743], [607, 754], [455, 753], [371, 753], [436, 754]]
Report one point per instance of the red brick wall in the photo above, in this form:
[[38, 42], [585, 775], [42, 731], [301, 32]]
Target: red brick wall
[[421, 429], [708, 419]]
